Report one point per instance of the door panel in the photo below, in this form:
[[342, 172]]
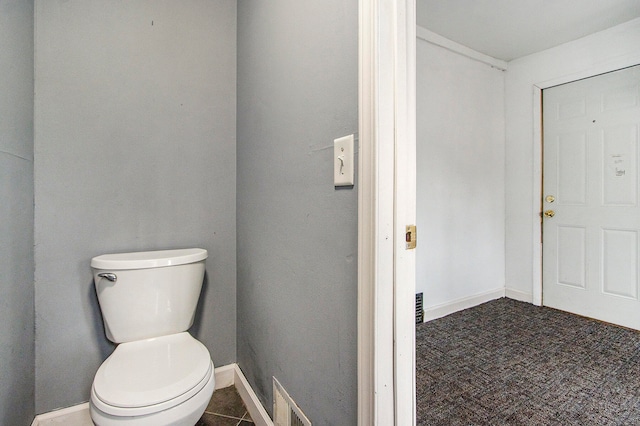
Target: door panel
[[591, 245], [572, 251], [620, 263], [572, 168], [620, 181]]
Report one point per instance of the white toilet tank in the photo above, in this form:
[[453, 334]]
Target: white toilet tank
[[148, 294]]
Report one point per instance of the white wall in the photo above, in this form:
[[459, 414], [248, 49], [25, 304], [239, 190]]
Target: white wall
[[460, 176], [608, 50]]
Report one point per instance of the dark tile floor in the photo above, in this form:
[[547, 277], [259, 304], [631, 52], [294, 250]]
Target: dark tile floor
[[225, 409]]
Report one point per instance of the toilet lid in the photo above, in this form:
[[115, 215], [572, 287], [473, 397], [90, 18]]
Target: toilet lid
[[148, 259], [151, 371]]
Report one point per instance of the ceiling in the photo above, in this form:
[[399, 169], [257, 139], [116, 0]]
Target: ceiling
[[509, 29]]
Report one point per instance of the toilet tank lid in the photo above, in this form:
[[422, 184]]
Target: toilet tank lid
[[148, 259]]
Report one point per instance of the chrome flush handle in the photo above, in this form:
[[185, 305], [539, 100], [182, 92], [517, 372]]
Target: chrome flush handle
[[108, 275]]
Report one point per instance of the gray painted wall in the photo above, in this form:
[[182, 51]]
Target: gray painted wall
[[135, 118], [297, 235], [16, 213]]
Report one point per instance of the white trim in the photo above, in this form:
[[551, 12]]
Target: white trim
[[228, 375], [591, 71], [375, 215], [387, 132], [257, 412], [67, 416], [225, 376], [405, 213], [367, 174], [597, 69], [448, 308], [519, 295], [385, 276], [438, 40], [536, 269]]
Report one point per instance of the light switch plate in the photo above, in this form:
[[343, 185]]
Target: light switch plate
[[343, 161]]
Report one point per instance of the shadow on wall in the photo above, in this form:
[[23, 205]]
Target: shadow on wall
[[197, 320], [105, 345]]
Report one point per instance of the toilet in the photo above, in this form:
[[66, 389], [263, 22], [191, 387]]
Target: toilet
[[158, 375]]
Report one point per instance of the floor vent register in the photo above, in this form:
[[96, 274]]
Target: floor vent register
[[285, 411]]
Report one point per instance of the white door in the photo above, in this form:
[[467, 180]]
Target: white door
[[591, 244]]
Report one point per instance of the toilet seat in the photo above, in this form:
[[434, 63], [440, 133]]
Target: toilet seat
[[151, 375]]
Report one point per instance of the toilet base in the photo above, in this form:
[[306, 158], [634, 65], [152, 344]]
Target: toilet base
[[185, 414]]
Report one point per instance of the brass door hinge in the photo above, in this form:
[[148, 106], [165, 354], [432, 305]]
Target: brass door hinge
[[411, 237]]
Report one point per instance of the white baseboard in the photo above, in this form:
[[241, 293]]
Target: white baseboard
[[228, 375], [518, 295], [256, 410], [77, 415], [447, 308], [225, 376]]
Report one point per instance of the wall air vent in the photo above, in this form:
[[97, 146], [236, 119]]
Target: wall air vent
[[419, 309], [285, 411]]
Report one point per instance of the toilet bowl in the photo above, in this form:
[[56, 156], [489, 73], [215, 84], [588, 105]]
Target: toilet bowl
[[158, 374]]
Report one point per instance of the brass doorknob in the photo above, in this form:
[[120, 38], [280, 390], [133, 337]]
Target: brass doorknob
[[550, 198], [549, 213]]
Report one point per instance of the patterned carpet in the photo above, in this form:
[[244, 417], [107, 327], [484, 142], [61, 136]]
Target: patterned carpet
[[511, 363]]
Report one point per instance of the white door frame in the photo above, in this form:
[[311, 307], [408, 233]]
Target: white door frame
[[592, 71], [386, 203]]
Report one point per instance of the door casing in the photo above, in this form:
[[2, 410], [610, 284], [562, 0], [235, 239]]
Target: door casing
[[386, 204]]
